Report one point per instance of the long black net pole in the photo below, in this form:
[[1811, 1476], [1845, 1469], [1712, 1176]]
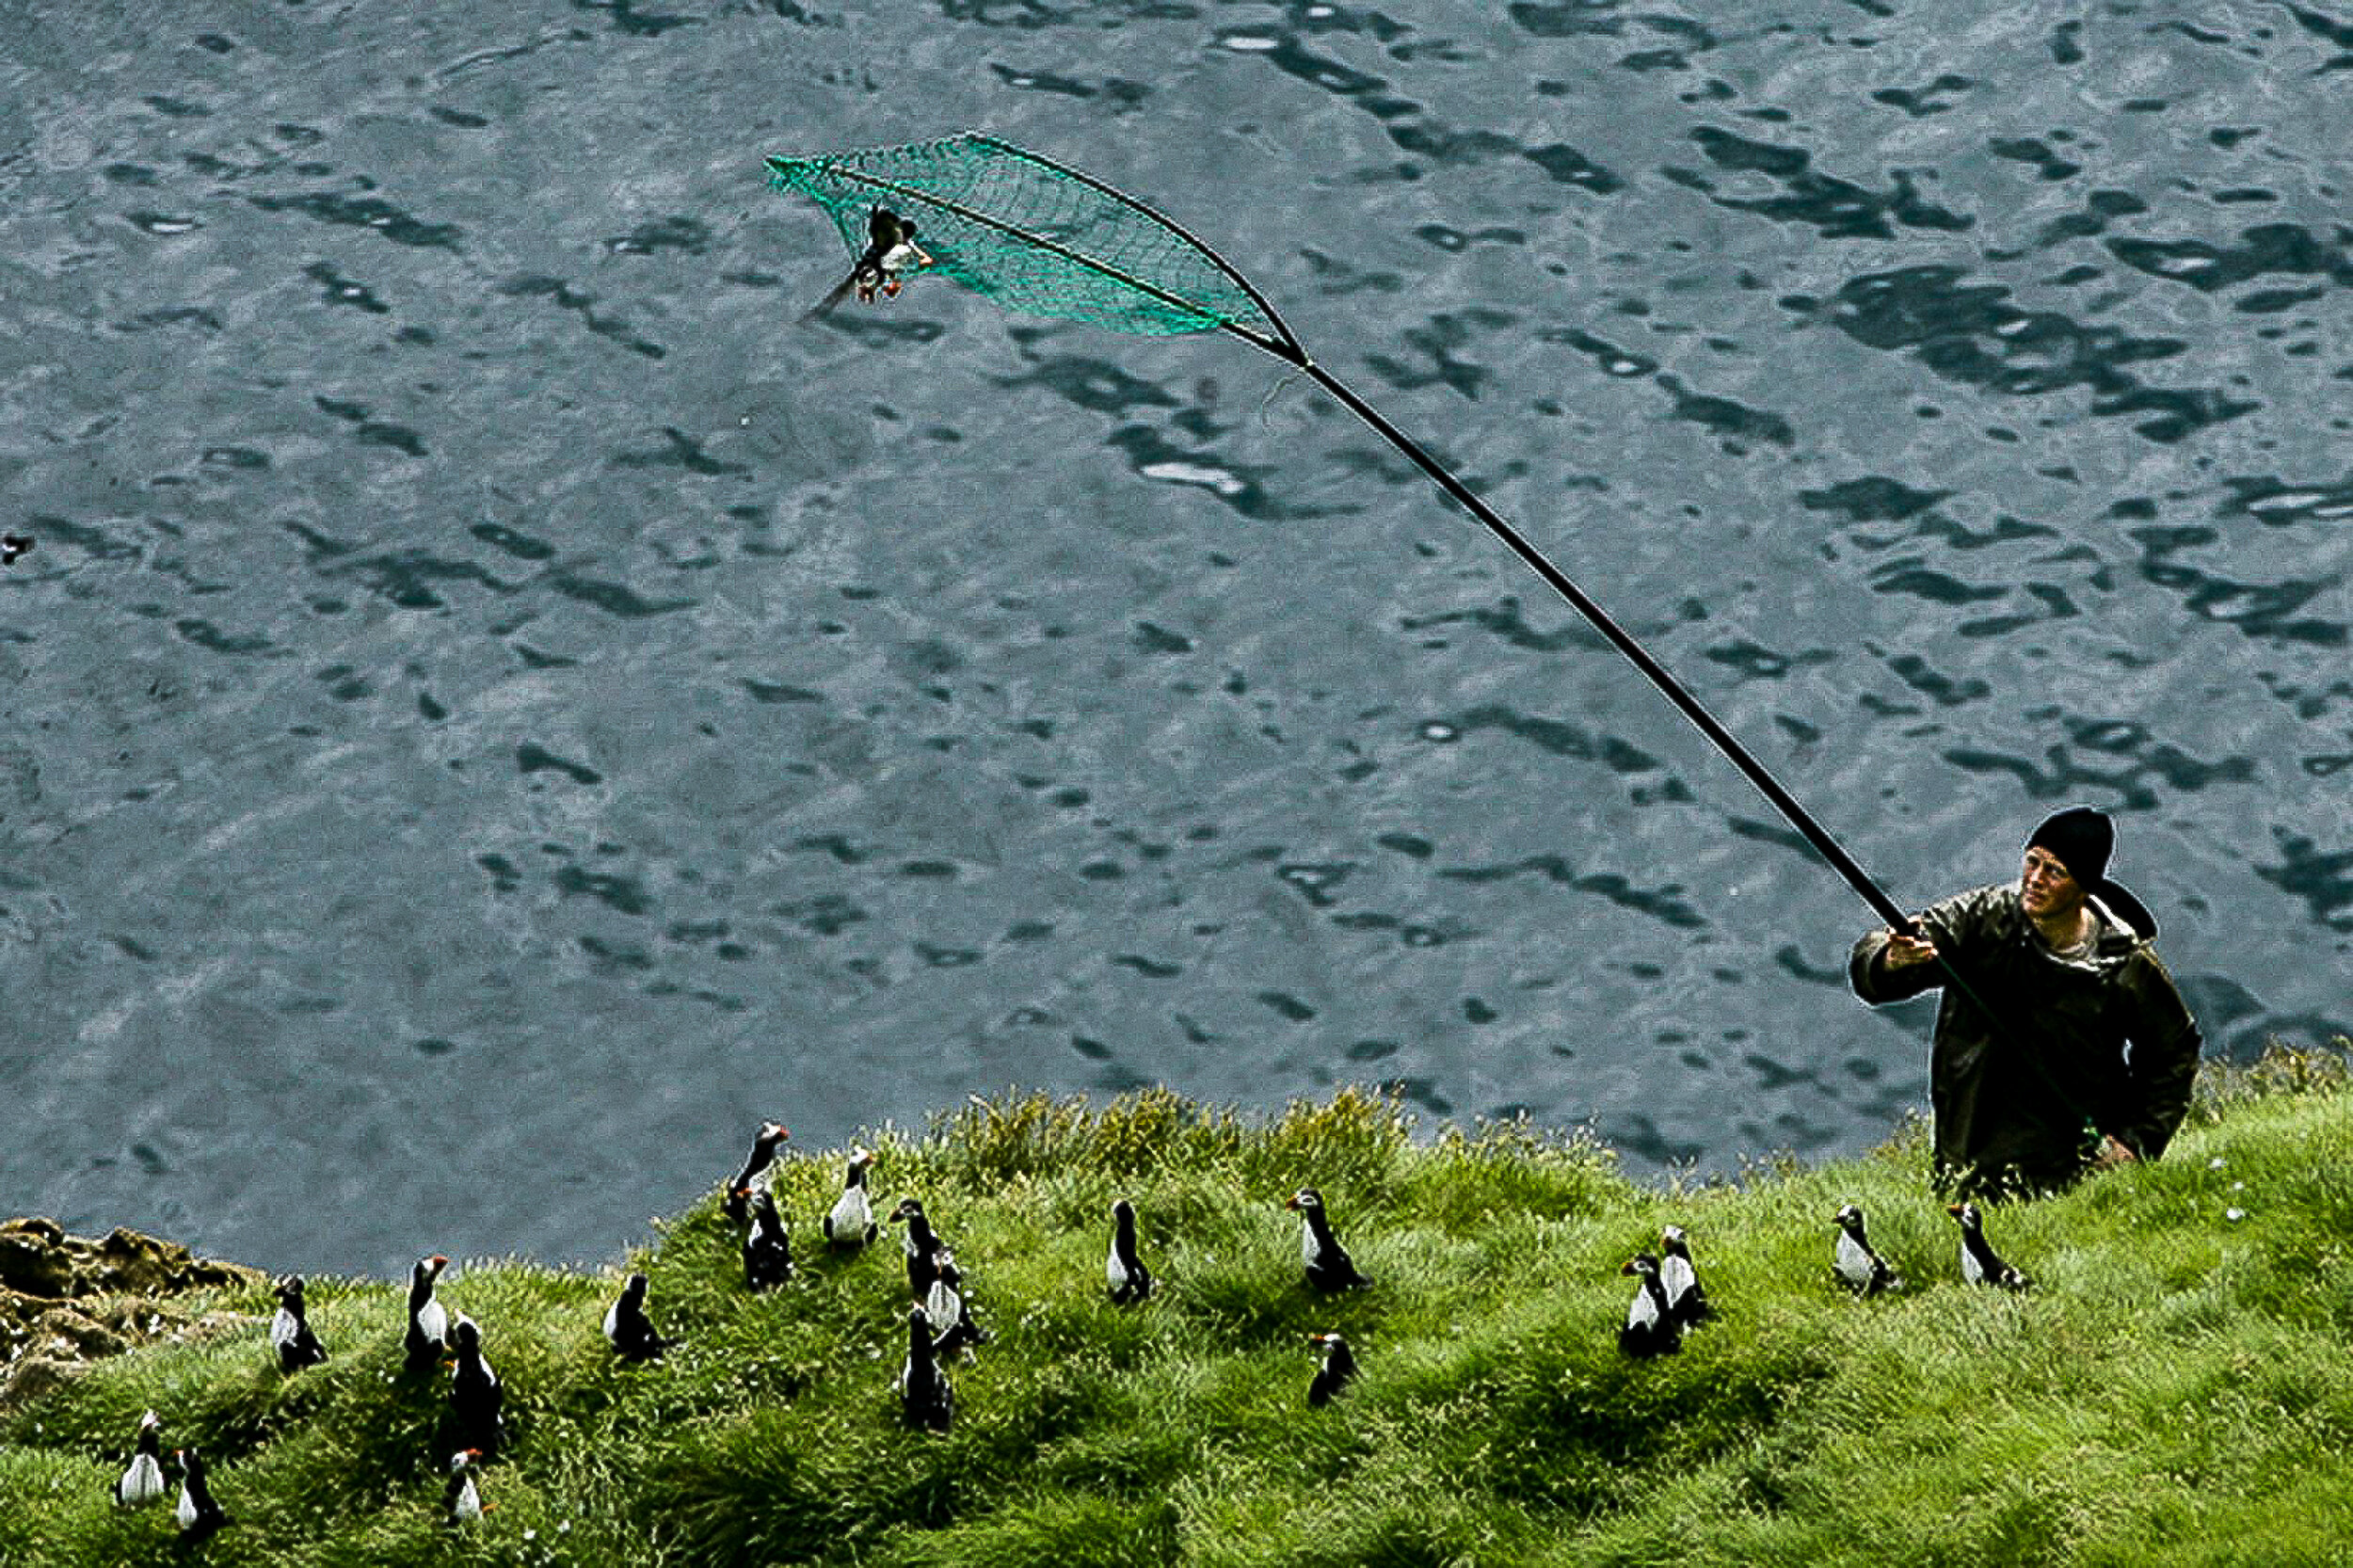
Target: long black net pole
[[1619, 638]]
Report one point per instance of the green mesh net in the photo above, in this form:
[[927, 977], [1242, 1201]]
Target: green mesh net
[[1034, 235]]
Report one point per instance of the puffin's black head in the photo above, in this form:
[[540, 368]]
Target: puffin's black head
[[771, 1134], [1849, 1220], [1307, 1200], [636, 1289], [427, 1270], [289, 1292], [190, 1462], [1123, 1209], [909, 1209], [859, 1160], [1672, 1239], [462, 1458], [466, 1336], [1643, 1264], [1967, 1214], [148, 1422]]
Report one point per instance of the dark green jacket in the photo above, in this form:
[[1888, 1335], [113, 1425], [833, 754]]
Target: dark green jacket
[[2113, 1048]]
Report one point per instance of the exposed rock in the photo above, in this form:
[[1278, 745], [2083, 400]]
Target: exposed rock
[[65, 1300], [38, 1258]]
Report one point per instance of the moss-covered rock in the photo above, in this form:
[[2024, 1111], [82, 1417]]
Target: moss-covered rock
[[68, 1300]]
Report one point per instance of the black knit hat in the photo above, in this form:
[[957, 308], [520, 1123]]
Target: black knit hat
[[2082, 838]]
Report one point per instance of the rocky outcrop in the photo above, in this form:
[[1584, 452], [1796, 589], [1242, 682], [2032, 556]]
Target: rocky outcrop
[[67, 1300]]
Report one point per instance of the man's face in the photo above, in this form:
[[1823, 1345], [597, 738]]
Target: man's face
[[2044, 887]]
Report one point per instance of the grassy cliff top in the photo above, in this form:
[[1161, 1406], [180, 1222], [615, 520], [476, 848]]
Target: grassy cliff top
[[2177, 1388]]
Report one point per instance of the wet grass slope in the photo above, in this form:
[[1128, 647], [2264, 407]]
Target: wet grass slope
[[2178, 1389]]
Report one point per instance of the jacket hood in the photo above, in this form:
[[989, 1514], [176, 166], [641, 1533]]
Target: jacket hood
[[2117, 901]]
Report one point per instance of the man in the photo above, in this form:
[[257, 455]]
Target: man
[[2087, 1058]]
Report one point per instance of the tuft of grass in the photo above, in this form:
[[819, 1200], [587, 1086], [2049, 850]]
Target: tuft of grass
[[2177, 1388]]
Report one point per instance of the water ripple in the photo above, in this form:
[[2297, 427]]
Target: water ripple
[[1970, 333]]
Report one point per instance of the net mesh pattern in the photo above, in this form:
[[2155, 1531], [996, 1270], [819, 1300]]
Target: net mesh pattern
[[1031, 235]]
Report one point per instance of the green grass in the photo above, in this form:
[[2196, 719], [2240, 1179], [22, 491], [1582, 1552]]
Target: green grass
[[2177, 1389]]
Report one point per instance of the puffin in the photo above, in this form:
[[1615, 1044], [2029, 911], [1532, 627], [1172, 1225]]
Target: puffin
[[767, 1251], [1651, 1326], [924, 1246], [297, 1347], [1122, 1272], [12, 546], [891, 249], [143, 1481], [1860, 1269], [946, 1302], [925, 1397], [476, 1394], [851, 1222], [461, 1502], [1978, 1264], [1686, 1301], [429, 1320], [764, 1142], [196, 1512], [627, 1328], [1329, 1266], [1339, 1366]]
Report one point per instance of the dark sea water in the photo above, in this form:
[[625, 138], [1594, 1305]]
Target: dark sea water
[[495, 708]]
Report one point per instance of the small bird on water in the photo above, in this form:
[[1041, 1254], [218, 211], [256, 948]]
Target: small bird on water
[[1860, 1269], [1978, 1264]]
